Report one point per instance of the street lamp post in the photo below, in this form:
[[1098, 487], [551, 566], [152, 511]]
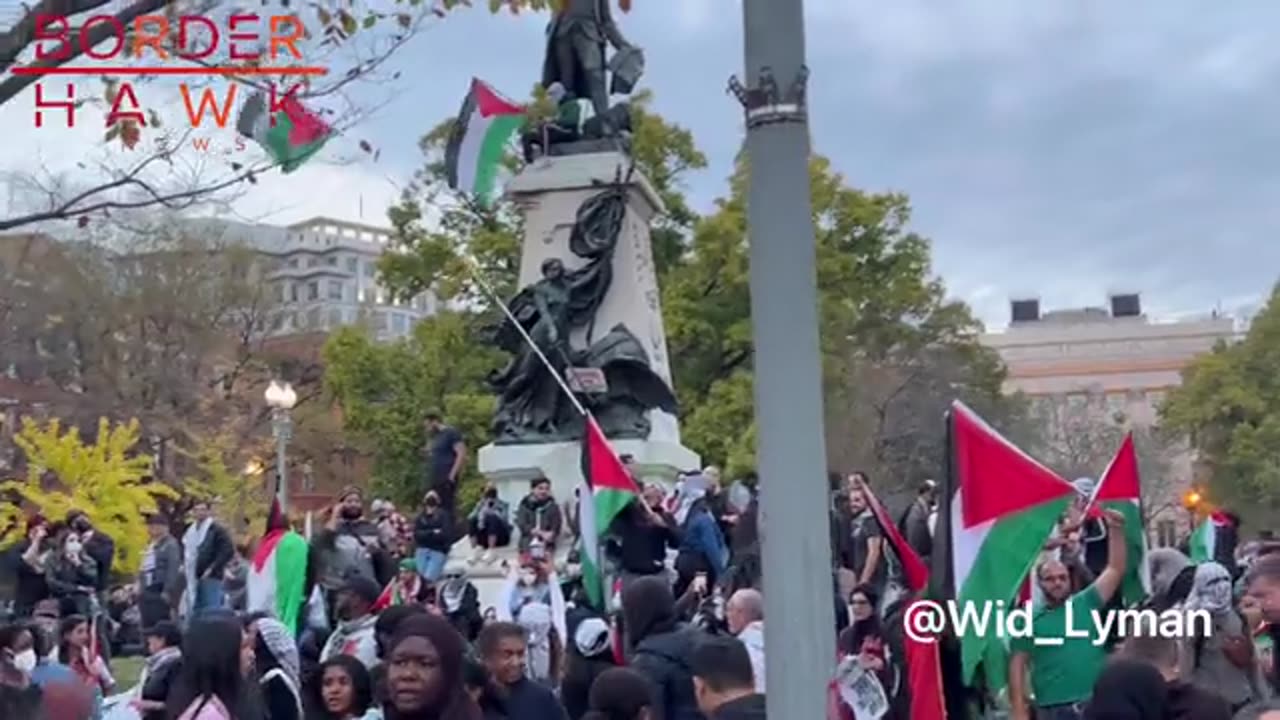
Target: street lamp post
[[796, 550], [281, 398]]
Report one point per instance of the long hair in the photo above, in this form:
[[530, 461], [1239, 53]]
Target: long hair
[[69, 623], [361, 687], [211, 669], [453, 702]]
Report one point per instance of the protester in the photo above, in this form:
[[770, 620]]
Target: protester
[[395, 534], [1221, 661], [161, 671], [660, 649], [620, 694], [538, 517], [72, 575], [590, 656], [28, 561], [76, 651], [349, 545], [702, 546], [483, 691], [447, 455], [502, 647], [865, 546], [1264, 588], [915, 521], [212, 685], [745, 615], [488, 527], [723, 681], [641, 536], [279, 669], [160, 577], [459, 600], [344, 692], [424, 673], [355, 633], [19, 697], [1062, 675], [433, 534], [407, 587], [97, 545], [208, 550]]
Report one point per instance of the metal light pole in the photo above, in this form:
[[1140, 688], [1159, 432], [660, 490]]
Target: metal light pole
[[796, 551], [281, 398]]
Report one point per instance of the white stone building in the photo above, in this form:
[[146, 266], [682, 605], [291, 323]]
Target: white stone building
[[1104, 363], [324, 275]]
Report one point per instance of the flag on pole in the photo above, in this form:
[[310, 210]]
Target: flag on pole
[[607, 490], [290, 133], [479, 140], [1206, 538], [278, 571], [924, 672], [1120, 490], [1000, 506]]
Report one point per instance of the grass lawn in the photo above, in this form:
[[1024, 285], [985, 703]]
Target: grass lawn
[[126, 671]]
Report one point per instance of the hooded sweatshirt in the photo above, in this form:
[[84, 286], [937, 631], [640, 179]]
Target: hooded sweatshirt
[[660, 648]]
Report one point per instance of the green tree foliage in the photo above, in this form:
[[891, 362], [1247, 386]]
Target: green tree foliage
[[386, 389], [1229, 407], [895, 350]]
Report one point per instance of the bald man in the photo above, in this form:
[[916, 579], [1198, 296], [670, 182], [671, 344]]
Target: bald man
[[744, 614]]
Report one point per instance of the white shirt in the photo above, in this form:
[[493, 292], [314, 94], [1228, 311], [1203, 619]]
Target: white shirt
[[752, 636]]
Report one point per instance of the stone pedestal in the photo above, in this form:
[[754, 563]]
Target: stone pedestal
[[549, 192]]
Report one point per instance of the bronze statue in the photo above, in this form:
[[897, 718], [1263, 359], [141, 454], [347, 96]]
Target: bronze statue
[[576, 38], [532, 406]]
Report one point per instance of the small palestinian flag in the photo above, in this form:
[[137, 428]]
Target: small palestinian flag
[[607, 491], [479, 141], [278, 572], [289, 132], [1206, 538], [1120, 490]]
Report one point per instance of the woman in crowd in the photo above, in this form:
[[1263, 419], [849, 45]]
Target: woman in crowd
[[590, 656], [75, 651], [19, 698], [620, 694], [660, 647], [29, 561], [1222, 662], [865, 638], [1128, 690], [424, 673], [72, 575], [212, 685], [345, 691], [279, 668], [164, 664]]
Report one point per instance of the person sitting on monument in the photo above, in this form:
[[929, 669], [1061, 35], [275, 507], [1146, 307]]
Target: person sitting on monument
[[575, 119], [488, 526], [538, 517]]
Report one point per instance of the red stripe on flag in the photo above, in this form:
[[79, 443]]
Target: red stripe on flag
[[916, 572], [490, 103]]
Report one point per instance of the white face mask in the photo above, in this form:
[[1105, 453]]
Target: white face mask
[[528, 577], [25, 660], [73, 547]]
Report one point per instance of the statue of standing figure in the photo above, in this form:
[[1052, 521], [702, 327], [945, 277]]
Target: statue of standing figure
[[575, 58]]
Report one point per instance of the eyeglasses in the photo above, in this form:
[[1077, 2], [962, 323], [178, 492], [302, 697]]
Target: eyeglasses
[[860, 602]]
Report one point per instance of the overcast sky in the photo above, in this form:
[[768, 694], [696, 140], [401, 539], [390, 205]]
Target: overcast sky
[[1057, 149]]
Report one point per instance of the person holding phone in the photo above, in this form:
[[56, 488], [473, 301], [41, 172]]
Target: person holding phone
[[29, 560]]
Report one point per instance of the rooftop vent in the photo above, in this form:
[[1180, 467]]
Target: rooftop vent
[[1127, 305], [1021, 311]]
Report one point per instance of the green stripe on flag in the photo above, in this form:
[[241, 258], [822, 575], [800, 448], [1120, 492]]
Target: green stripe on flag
[[492, 148]]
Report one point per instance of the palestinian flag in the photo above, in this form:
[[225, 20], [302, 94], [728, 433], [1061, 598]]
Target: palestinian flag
[[1207, 537], [1120, 490], [998, 507], [289, 132], [278, 572], [607, 491], [479, 141], [924, 672]]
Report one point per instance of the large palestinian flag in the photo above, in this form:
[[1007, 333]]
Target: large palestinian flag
[[479, 140], [607, 491], [1120, 490], [997, 509], [278, 572]]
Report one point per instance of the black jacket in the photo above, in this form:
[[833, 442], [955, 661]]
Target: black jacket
[[159, 682], [750, 707], [434, 531], [640, 547], [527, 700], [30, 587], [215, 552], [579, 675], [663, 660], [103, 551]]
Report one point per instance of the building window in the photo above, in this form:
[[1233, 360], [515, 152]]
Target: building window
[[293, 293], [313, 290], [401, 323], [331, 261], [313, 318], [335, 289], [1166, 533], [300, 321], [293, 262], [353, 265], [370, 269], [360, 295], [335, 317]]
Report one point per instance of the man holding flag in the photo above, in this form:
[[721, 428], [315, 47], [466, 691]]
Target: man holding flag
[[1061, 670]]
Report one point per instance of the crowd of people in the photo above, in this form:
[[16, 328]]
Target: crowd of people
[[389, 628]]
